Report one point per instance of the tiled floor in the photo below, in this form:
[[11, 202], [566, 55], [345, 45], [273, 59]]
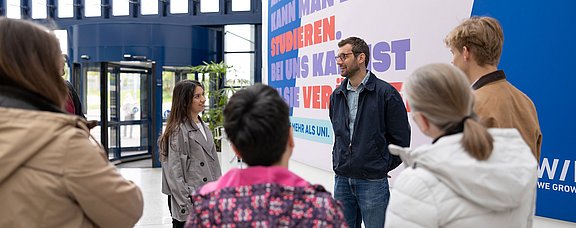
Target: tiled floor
[[146, 163], [156, 214]]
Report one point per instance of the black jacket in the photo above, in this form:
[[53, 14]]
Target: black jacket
[[381, 120], [76, 100]]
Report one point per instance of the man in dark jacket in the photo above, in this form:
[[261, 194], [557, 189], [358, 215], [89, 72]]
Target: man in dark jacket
[[73, 104], [367, 115]]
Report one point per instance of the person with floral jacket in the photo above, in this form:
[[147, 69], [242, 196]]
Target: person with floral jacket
[[266, 194]]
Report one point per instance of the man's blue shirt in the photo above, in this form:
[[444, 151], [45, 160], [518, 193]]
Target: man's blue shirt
[[353, 101]]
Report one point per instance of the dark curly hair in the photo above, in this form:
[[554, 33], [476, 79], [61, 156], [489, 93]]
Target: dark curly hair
[[256, 122], [358, 46]]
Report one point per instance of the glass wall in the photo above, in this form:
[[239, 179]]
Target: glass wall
[[13, 9], [168, 82], [170, 76], [65, 8], [39, 10], [178, 6], [120, 8], [92, 8], [239, 52], [148, 7], [240, 5], [209, 6]]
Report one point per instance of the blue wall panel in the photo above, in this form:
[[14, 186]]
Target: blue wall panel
[[185, 45], [539, 44]]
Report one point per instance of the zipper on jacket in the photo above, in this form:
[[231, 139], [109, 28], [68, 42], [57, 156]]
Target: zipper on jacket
[[350, 147], [358, 112], [347, 121]]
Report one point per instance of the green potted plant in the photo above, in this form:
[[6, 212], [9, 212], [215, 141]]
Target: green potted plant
[[212, 75]]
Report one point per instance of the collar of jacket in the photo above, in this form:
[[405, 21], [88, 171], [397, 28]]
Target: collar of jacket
[[192, 125], [255, 175], [205, 143], [486, 79], [368, 86], [13, 97]]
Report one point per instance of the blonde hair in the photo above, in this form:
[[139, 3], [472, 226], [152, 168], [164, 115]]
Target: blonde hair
[[482, 36], [30, 59], [442, 93]]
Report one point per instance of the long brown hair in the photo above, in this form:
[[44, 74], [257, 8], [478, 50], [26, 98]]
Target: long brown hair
[[30, 59], [442, 93], [180, 112]]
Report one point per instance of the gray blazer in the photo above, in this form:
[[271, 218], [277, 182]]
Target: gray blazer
[[192, 162]]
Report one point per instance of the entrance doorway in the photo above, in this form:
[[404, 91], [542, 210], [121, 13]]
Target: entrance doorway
[[118, 96]]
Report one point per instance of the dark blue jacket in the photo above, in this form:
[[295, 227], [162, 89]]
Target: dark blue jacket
[[381, 120]]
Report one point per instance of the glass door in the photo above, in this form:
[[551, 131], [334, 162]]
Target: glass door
[[170, 76], [118, 96], [129, 119], [93, 98]]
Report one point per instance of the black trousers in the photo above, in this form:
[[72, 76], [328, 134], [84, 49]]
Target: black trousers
[[175, 223]]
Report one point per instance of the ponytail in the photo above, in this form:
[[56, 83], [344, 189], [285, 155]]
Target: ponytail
[[443, 94], [476, 140]]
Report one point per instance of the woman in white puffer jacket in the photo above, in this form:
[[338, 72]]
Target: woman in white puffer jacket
[[469, 176]]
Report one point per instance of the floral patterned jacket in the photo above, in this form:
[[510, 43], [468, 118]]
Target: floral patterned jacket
[[264, 197]]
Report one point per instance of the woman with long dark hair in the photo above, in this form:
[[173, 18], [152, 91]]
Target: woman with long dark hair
[[187, 151]]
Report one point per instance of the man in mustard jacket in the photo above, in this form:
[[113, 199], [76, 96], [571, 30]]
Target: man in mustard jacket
[[476, 46]]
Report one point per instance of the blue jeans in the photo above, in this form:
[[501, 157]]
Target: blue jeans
[[363, 200]]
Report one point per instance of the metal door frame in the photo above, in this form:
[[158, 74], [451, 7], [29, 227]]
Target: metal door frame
[[147, 118]]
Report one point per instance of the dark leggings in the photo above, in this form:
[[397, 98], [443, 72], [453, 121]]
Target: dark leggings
[[175, 223]]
